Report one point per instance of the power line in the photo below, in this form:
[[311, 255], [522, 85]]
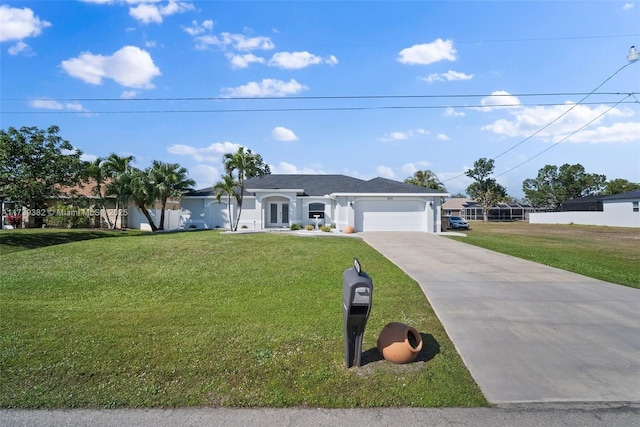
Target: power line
[[294, 98], [581, 102], [564, 139], [298, 109]]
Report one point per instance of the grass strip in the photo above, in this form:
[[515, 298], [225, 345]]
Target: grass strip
[[611, 254]]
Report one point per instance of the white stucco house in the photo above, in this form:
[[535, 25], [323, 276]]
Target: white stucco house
[[277, 201]]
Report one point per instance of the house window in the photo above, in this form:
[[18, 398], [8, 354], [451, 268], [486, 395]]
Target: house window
[[635, 207], [316, 209]]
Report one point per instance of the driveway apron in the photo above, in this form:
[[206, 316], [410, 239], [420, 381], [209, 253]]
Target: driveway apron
[[526, 332]]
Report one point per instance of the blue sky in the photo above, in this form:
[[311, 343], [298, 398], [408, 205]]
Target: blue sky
[[359, 88]]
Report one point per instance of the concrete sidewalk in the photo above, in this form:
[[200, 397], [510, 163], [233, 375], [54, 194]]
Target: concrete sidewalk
[[527, 332]]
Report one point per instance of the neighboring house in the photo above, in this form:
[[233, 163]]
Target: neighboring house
[[587, 203], [472, 211], [455, 206], [281, 200], [617, 210]]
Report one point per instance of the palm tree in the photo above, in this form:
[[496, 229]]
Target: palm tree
[[243, 165], [168, 180], [96, 172], [426, 179], [115, 166], [227, 186], [136, 187]]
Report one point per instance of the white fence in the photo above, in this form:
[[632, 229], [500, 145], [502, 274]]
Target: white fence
[[136, 219], [632, 219]]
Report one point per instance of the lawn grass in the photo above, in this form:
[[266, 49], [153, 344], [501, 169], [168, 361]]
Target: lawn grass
[[210, 319], [611, 254], [24, 239]]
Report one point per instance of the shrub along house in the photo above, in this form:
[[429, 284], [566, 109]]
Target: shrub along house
[[277, 201]]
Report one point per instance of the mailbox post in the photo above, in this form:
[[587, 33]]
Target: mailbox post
[[357, 289]]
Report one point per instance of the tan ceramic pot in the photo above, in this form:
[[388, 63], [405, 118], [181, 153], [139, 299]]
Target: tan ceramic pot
[[349, 229], [399, 343]]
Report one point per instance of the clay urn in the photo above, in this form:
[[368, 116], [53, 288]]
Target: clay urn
[[349, 229], [399, 343]]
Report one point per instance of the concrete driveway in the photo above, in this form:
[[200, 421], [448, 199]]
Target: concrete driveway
[[527, 332]]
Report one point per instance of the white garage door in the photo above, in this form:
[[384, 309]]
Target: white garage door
[[390, 215]]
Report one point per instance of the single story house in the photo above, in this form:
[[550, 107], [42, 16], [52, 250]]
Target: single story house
[[277, 201], [455, 206]]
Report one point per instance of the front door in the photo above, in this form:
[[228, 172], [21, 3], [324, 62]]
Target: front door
[[278, 214]]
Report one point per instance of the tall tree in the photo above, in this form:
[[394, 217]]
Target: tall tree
[[137, 188], [619, 186], [485, 190], [169, 180], [426, 179], [555, 185], [35, 165], [115, 167], [227, 186], [241, 166], [97, 176]]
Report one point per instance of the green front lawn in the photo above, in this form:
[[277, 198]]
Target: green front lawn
[[611, 254], [209, 319]]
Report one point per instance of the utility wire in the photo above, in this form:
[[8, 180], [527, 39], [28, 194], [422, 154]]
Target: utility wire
[[581, 102], [298, 109], [565, 138], [295, 98]]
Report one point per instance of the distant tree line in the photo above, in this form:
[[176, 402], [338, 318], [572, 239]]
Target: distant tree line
[[549, 189]]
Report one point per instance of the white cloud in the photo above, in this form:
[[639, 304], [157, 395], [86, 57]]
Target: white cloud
[[267, 87], [450, 112], [128, 94], [385, 172], [298, 60], [428, 53], [449, 76], [289, 169], [283, 134], [497, 100], [129, 67], [52, 104], [88, 157], [443, 137], [243, 61], [622, 132], [400, 136], [20, 48], [17, 24], [197, 29], [147, 12], [527, 121], [204, 175], [237, 42], [213, 153], [411, 168], [627, 6], [395, 136]]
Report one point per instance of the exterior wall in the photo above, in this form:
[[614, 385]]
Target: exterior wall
[[302, 217], [137, 220], [341, 210], [614, 215]]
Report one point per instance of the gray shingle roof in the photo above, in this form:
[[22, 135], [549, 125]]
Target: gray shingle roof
[[319, 185]]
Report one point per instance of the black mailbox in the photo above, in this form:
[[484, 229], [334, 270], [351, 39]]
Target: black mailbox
[[357, 289]]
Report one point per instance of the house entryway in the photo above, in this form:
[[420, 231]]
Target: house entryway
[[278, 214]]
